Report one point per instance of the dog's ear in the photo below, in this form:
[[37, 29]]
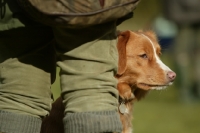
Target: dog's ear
[[123, 38], [139, 93]]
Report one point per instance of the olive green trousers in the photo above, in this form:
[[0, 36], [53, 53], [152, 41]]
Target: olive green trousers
[[29, 53]]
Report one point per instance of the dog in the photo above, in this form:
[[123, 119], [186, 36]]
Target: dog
[[139, 71]]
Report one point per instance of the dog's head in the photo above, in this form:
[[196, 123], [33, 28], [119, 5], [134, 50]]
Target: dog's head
[[139, 63]]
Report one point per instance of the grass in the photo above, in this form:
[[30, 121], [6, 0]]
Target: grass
[[163, 112]]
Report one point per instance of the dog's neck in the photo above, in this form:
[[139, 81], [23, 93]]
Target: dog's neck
[[126, 100], [123, 100]]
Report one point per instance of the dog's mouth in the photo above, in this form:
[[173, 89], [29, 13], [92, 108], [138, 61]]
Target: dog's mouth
[[153, 87]]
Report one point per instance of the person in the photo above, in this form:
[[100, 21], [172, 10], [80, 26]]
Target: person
[[87, 58], [186, 49]]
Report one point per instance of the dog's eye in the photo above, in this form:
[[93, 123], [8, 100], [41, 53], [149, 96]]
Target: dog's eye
[[144, 56]]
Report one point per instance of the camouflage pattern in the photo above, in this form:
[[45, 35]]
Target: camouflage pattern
[[77, 12]]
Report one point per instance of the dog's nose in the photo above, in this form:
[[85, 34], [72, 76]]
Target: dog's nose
[[171, 75]]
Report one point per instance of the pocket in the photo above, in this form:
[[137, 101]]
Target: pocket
[[77, 13]]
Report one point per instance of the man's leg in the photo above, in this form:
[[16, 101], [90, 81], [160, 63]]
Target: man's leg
[[26, 64], [183, 50], [88, 62], [197, 59]]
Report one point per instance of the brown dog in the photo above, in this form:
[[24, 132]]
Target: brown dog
[[139, 70]]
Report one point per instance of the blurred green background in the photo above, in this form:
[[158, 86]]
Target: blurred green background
[[160, 111]]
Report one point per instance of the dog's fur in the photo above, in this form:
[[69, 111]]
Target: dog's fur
[[139, 70]]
